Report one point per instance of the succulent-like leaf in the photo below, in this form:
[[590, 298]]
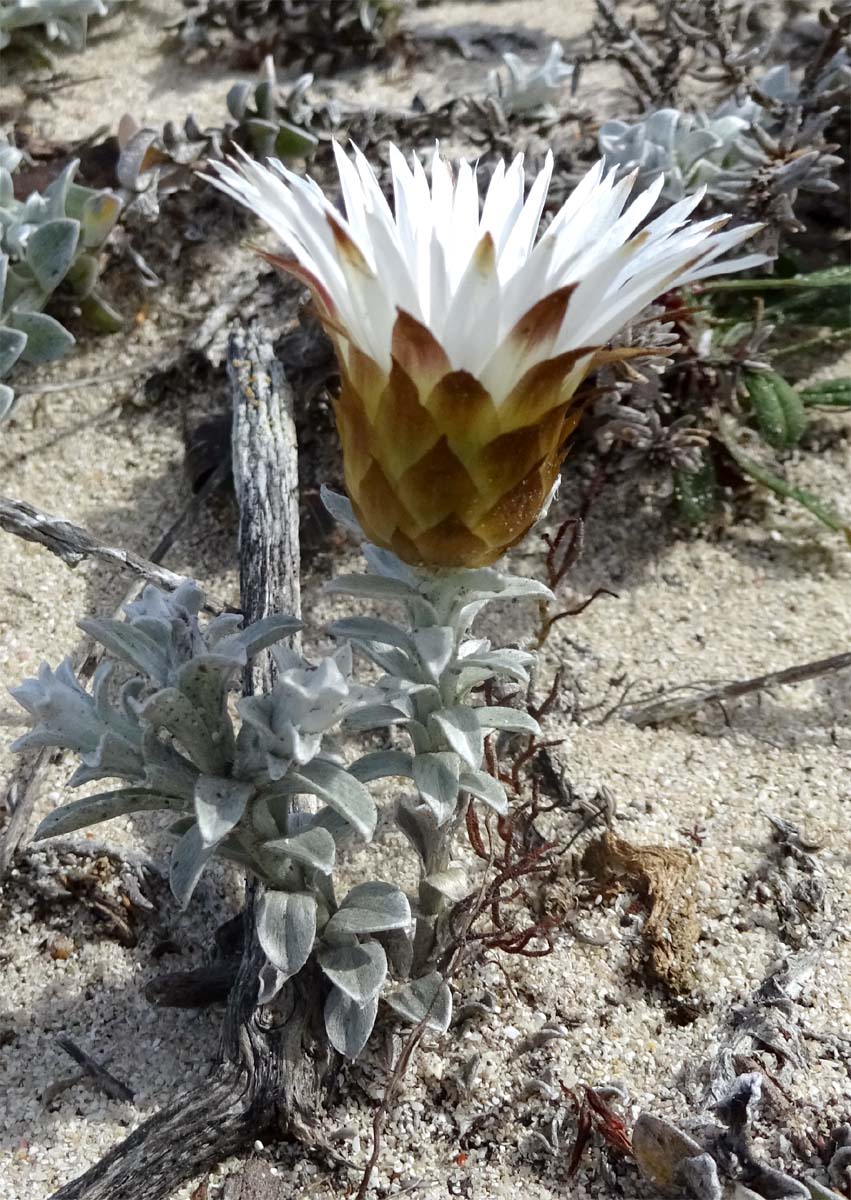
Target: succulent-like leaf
[[779, 410], [340, 790], [91, 810], [370, 908], [47, 340], [313, 847], [219, 806], [418, 823], [348, 1024], [286, 928], [259, 635], [436, 776], [50, 251], [462, 731], [372, 629], [7, 400], [100, 212], [425, 999], [358, 969]]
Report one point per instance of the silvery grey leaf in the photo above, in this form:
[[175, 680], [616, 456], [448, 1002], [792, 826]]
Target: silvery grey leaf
[[50, 251], [188, 860], [7, 400], [462, 731], [341, 510], [399, 949], [348, 1024], [512, 664], [358, 969], [373, 629], [114, 758], [418, 823], [229, 848], [271, 981], [452, 883], [219, 806], [374, 716], [12, 342], [205, 681], [314, 847], [381, 764], [286, 928], [337, 788], [90, 810], [372, 587], [169, 709], [370, 908], [498, 716], [436, 776], [259, 635], [47, 340], [130, 644], [425, 999], [485, 787], [435, 648], [166, 770]]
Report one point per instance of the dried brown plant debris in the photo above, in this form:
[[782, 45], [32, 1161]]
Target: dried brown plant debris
[[665, 877]]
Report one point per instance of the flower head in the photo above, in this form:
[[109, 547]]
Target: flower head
[[462, 335]]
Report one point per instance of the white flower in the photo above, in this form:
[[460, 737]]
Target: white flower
[[463, 332], [469, 275]]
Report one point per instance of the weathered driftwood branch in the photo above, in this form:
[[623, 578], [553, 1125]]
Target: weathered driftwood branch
[[72, 544], [668, 708], [272, 1069]]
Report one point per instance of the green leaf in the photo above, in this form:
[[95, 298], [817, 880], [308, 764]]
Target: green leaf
[[50, 251], [829, 393], [100, 212], [169, 709], [286, 928], [91, 810], [696, 493], [358, 969], [829, 277], [99, 315], [47, 340], [371, 908], [780, 487], [779, 410], [425, 999]]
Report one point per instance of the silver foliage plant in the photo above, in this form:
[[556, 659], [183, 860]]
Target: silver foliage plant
[[723, 150], [49, 243], [63, 21], [230, 775]]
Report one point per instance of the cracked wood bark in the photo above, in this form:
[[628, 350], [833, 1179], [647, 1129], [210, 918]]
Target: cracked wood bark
[[274, 1061]]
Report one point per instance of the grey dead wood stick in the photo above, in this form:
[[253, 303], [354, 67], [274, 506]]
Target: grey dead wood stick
[[670, 708], [272, 1070], [72, 544]]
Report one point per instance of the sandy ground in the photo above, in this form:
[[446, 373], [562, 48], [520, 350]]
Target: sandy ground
[[766, 591]]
